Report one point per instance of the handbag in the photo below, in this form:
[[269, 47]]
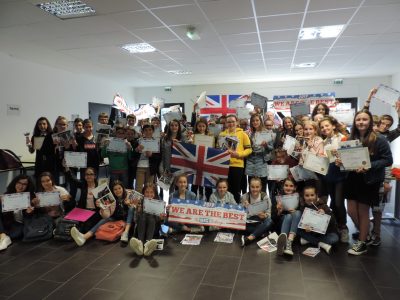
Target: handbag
[[110, 231], [63, 229], [38, 228]]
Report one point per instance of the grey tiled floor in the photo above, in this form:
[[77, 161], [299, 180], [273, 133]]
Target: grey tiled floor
[[57, 270]]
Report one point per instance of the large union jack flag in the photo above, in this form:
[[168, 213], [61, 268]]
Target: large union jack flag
[[219, 105], [203, 165]]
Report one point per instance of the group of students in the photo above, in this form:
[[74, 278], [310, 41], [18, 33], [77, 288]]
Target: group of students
[[364, 188]]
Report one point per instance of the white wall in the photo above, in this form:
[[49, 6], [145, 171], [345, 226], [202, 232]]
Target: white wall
[[395, 144], [352, 87], [44, 91]]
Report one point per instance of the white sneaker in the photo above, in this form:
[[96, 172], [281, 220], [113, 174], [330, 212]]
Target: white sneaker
[[344, 235], [281, 243], [5, 242], [124, 237], [136, 245], [149, 247], [288, 249], [78, 237], [327, 248], [303, 242]]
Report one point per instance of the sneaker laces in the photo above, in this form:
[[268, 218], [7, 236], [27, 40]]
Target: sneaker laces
[[358, 245]]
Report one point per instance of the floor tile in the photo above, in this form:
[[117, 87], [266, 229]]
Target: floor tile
[[382, 272], [389, 293], [315, 290], [38, 289], [250, 286], [208, 292], [222, 271], [97, 294]]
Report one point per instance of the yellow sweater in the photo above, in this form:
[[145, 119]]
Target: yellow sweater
[[243, 148]]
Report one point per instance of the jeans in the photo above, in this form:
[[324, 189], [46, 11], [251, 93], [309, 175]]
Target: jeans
[[101, 222], [290, 222], [129, 218], [146, 225], [314, 238], [336, 192], [258, 229]]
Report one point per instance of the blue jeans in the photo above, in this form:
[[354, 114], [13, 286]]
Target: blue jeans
[[290, 222], [258, 229], [314, 238], [101, 222], [129, 218]]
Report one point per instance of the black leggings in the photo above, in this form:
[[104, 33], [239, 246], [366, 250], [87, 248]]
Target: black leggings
[[336, 192], [235, 176]]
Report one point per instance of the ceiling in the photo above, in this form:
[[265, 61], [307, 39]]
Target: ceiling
[[241, 40]]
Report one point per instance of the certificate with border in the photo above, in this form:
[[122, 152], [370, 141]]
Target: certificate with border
[[152, 145], [117, 145], [75, 159], [314, 220], [153, 206], [257, 207], [48, 199], [387, 94], [355, 158], [263, 136], [289, 202], [15, 201], [204, 140], [277, 172], [315, 163]]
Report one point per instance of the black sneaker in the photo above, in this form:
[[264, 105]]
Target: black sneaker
[[375, 241], [281, 244], [355, 235], [358, 248]]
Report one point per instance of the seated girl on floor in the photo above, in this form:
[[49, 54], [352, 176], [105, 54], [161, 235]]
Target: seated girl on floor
[[146, 224], [260, 223]]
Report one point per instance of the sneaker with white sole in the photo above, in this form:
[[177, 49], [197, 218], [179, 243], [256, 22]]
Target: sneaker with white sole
[[303, 242], [149, 247], [326, 247], [375, 240], [197, 229], [358, 248], [77, 236], [136, 245], [281, 243], [124, 237], [344, 235], [5, 242], [288, 249]]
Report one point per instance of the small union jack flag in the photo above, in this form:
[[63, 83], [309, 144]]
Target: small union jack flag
[[203, 165], [219, 105]]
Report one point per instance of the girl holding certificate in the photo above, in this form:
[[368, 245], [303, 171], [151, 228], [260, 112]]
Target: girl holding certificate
[[47, 185], [259, 223], [321, 109], [146, 224], [288, 129], [362, 185], [324, 241], [113, 212], [11, 222], [334, 179], [288, 218], [256, 162], [42, 143], [87, 143], [201, 128], [145, 163], [239, 152]]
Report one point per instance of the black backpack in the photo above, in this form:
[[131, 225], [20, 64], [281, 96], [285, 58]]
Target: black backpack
[[38, 228], [63, 229]]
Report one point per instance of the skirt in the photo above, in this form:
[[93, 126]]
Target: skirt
[[356, 189]]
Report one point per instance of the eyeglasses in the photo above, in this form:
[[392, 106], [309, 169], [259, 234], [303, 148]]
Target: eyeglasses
[[22, 183]]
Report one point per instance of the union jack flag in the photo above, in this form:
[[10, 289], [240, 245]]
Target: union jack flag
[[219, 105], [204, 165]]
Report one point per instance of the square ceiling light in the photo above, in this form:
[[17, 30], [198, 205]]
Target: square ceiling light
[[139, 48], [67, 9], [323, 32]]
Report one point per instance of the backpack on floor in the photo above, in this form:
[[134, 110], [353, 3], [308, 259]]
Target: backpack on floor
[[63, 229], [38, 228], [110, 231]]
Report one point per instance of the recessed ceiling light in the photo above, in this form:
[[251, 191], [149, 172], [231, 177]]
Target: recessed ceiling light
[[305, 65], [139, 48], [179, 72], [323, 32], [66, 9], [192, 33]]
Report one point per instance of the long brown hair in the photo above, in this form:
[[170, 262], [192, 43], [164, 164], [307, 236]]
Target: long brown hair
[[370, 136]]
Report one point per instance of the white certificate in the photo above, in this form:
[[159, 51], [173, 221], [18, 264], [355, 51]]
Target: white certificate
[[48, 199], [117, 145], [315, 163], [354, 158], [314, 220], [301, 174], [289, 144], [172, 115], [204, 140], [152, 145], [153, 206], [344, 116], [277, 172], [75, 159], [257, 207], [299, 109], [38, 142], [243, 113], [157, 133], [263, 136], [387, 94], [289, 202], [15, 202]]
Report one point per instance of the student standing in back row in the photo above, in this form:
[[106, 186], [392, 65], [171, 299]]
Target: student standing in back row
[[240, 149]]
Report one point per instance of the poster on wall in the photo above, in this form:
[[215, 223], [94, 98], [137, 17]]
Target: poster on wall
[[283, 103]]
